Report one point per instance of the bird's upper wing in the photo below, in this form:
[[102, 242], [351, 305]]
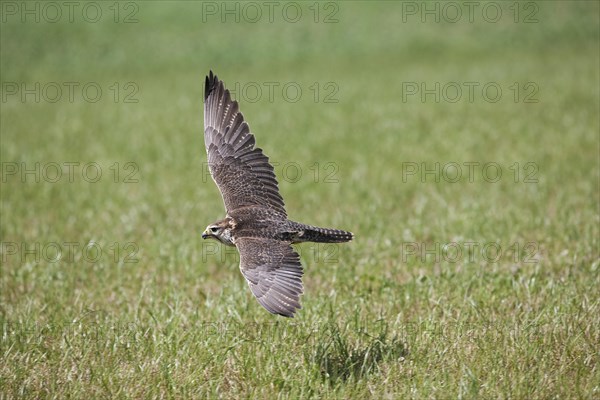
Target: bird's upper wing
[[274, 273], [241, 171]]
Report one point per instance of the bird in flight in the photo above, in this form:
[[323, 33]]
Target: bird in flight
[[256, 221]]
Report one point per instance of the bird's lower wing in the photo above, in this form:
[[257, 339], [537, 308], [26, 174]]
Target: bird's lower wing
[[274, 273]]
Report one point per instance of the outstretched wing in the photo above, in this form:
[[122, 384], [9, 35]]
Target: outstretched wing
[[274, 273], [241, 171]]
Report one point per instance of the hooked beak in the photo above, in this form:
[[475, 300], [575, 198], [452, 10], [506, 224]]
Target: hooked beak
[[205, 235]]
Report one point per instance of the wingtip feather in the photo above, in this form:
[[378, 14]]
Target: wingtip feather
[[210, 84]]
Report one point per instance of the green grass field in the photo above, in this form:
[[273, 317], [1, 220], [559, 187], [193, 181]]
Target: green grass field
[[461, 149]]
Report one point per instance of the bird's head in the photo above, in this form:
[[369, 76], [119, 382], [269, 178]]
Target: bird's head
[[220, 230]]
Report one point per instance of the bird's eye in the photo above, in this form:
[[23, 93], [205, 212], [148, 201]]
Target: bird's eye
[[214, 229]]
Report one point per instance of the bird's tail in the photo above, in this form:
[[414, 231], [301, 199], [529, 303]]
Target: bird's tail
[[322, 235]]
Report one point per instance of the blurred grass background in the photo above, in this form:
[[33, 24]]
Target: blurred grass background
[[181, 321]]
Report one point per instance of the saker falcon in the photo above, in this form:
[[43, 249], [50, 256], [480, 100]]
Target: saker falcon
[[256, 221]]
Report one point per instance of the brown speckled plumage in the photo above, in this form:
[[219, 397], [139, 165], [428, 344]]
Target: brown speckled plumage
[[256, 221]]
